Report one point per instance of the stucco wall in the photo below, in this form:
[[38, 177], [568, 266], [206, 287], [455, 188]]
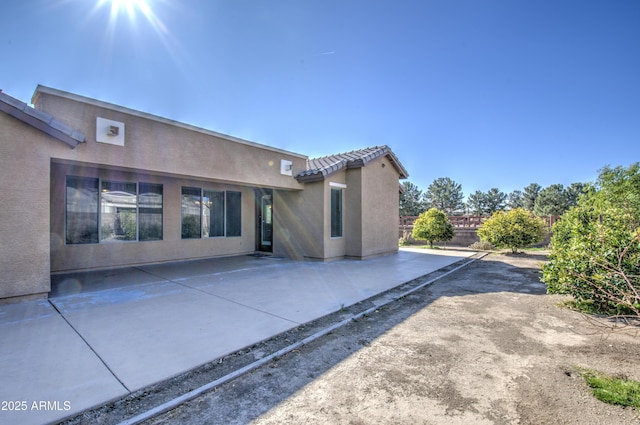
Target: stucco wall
[[380, 206], [298, 222], [24, 209], [155, 145], [353, 207]]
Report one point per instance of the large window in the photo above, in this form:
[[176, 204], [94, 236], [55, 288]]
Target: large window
[[336, 213], [211, 213], [110, 211]]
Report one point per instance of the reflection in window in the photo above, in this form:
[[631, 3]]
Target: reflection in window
[[234, 214], [82, 210], [118, 212], [150, 212], [191, 213], [213, 213]]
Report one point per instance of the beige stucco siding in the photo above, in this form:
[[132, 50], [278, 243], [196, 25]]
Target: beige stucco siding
[[380, 206], [24, 209], [353, 213], [163, 146], [299, 225]]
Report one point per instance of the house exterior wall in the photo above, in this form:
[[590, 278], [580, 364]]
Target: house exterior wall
[[380, 206], [354, 226], [299, 224], [157, 151], [370, 215], [24, 207], [161, 146], [34, 168]]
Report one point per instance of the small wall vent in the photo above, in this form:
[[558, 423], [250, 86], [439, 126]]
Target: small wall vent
[[286, 167], [109, 131]]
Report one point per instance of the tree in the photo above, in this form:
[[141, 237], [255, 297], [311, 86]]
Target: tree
[[574, 192], [410, 199], [513, 229], [432, 226], [494, 201], [595, 248], [445, 195], [551, 200], [529, 196], [476, 204], [515, 200]]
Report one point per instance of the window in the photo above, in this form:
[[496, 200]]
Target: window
[[150, 212], [191, 212], [82, 210], [336, 213], [108, 211], [118, 212], [210, 213], [213, 216], [234, 213]]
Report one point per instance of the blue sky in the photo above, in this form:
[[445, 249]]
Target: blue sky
[[489, 93]]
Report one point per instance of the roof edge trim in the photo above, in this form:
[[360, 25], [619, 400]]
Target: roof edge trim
[[40, 120]]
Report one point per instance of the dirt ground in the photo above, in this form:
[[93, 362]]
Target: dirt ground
[[483, 345]]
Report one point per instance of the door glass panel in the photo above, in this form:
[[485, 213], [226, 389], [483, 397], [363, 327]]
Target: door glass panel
[[267, 225]]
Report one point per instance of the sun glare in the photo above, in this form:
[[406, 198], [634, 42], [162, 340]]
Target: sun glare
[[132, 8]]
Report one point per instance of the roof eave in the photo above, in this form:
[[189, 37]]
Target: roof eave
[[41, 121]]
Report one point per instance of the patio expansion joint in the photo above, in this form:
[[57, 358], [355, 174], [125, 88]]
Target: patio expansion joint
[[90, 347], [178, 282]]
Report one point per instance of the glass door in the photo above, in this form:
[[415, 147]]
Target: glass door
[[264, 209]]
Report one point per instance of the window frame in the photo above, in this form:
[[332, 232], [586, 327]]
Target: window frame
[[336, 228], [98, 209], [229, 217]]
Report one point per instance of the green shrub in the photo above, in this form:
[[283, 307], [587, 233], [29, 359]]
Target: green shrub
[[432, 226], [595, 248], [513, 229]]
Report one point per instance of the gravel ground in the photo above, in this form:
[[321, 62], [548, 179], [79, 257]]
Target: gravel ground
[[483, 345]]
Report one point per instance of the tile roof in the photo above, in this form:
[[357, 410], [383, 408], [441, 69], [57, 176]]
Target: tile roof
[[41, 120], [319, 168]]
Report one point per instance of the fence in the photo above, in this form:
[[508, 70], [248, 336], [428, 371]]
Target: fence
[[468, 221]]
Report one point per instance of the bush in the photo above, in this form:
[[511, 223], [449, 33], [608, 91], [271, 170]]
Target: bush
[[481, 246], [595, 248], [432, 226], [513, 229]]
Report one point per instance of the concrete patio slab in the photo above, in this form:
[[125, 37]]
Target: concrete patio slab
[[148, 333], [117, 331], [46, 369]]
